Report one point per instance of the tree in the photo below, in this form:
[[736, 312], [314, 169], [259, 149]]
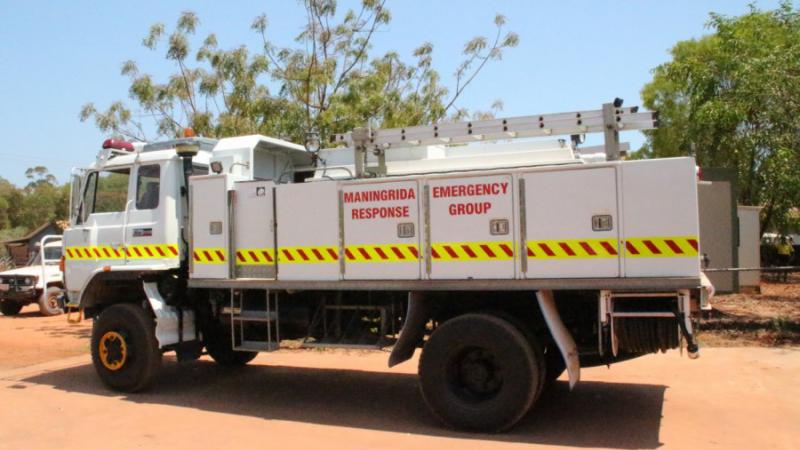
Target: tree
[[10, 204], [43, 200], [328, 81], [732, 99], [39, 175]]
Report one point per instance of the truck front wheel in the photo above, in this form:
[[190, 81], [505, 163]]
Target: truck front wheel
[[125, 351], [9, 308], [478, 372]]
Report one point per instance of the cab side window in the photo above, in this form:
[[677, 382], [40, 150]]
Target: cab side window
[[110, 190], [148, 182]]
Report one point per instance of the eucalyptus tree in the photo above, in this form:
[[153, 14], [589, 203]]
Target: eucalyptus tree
[[327, 80]]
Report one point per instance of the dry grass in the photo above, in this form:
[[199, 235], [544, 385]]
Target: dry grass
[[770, 319]]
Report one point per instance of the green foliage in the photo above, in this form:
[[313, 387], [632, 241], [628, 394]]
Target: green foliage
[[42, 200], [328, 81], [732, 99]]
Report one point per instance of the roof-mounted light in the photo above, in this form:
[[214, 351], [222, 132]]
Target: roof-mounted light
[[118, 144]]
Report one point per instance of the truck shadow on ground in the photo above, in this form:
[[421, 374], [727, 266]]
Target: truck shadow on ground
[[596, 414], [25, 314], [65, 330]]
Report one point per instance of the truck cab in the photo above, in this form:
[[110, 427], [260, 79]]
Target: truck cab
[[125, 214]]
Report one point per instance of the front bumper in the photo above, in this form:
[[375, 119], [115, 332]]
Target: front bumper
[[26, 294]]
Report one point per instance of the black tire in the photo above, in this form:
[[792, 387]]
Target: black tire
[[49, 303], [217, 339], [125, 351], [9, 308], [538, 352], [478, 372]]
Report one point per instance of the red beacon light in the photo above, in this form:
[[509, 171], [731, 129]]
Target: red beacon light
[[117, 144]]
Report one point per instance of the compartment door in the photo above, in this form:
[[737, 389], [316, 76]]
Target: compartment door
[[381, 231], [209, 222], [471, 227], [254, 229], [571, 224]]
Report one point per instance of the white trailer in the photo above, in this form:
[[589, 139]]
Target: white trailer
[[506, 262]]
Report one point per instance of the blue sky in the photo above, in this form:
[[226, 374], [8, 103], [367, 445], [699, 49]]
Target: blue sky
[[57, 55]]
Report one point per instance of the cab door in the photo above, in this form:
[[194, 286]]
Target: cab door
[[149, 237], [96, 239]]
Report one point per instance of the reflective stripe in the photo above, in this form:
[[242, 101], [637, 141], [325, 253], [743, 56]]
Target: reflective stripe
[[306, 255], [209, 256], [108, 253], [255, 257], [381, 253], [662, 247], [573, 249], [472, 251]]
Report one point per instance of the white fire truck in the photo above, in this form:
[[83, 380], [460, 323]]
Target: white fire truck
[[507, 260]]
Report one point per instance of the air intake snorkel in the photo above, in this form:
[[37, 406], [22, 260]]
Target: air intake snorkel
[[186, 150]]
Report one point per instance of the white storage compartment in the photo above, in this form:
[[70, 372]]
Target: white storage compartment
[[660, 226], [209, 227], [308, 231], [471, 227], [571, 223], [254, 229], [381, 230]]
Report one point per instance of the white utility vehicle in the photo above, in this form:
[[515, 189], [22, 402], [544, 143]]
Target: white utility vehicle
[[39, 282], [507, 260]]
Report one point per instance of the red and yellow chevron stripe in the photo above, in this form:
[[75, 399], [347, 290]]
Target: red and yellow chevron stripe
[[472, 251], [255, 257], [661, 247], [308, 255], [151, 251], [637, 247], [106, 252], [381, 253], [210, 256], [573, 249]]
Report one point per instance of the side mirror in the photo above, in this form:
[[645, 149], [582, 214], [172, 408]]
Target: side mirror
[[75, 198]]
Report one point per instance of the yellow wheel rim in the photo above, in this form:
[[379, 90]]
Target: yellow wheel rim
[[113, 350]]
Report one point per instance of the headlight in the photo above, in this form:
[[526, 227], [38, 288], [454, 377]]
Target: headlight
[[27, 281], [2, 281]]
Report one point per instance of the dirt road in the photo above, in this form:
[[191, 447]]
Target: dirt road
[[729, 398]]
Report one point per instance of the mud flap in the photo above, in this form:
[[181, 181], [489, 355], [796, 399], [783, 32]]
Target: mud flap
[[413, 329], [564, 341], [168, 318]]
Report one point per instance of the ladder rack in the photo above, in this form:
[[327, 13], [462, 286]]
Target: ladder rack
[[609, 120]]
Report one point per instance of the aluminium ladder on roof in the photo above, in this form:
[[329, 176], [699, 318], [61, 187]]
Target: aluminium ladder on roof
[[609, 120]]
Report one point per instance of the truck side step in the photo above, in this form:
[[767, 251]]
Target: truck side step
[[254, 321], [250, 315]]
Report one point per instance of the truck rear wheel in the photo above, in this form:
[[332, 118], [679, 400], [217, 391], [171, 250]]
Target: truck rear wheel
[[49, 303], [125, 351], [9, 308], [218, 344], [478, 372]]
